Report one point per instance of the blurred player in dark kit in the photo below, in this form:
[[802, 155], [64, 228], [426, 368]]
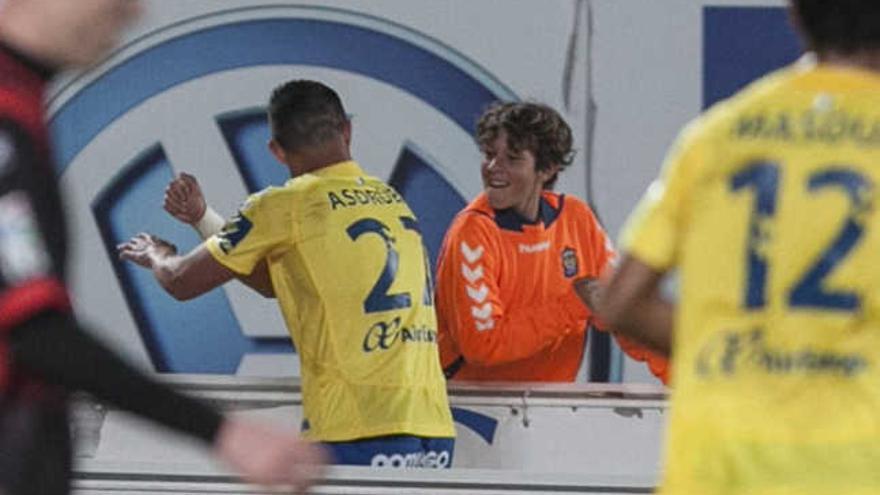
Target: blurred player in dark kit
[[44, 352]]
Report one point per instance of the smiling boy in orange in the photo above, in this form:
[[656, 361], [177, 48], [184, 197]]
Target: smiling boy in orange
[[511, 303]]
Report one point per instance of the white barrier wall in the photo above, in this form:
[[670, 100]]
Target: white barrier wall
[[115, 479], [578, 432], [186, 90]]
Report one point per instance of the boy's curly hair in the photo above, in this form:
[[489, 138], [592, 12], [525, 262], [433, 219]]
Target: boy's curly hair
[[529, 126]]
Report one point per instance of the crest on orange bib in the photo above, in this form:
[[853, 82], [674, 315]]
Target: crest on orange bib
[[569, 262]]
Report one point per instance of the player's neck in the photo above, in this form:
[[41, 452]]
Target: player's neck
[[864, 60], [310, 160]]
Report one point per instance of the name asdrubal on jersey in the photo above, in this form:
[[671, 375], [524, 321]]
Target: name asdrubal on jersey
[[348, 197]]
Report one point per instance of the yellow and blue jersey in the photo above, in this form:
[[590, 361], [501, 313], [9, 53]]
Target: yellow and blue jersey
[[351, 276], [767, 205]]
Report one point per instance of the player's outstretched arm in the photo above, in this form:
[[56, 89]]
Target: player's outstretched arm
[[184, 277], [190, 275], [185, 201], [591, 291], [268, 455], [51, 345], [631, 304]]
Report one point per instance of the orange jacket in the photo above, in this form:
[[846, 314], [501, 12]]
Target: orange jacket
[[506, 307]]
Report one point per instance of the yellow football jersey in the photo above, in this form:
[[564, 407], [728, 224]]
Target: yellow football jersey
[[350, 273], [767, 206]]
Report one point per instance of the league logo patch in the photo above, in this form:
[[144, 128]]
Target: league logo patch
[[234, 231], [569, 262]]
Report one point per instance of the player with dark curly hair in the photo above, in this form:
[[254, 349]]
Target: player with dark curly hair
[[767, 208], [508, 304], [533, 127]]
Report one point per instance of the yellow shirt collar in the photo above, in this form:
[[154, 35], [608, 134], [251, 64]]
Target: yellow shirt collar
[[349, 167]]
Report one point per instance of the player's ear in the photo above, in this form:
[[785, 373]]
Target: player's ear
[[548, 175], [278, 152], [346, 132]]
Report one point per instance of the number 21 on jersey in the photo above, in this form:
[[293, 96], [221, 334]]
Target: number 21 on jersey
[[379, 299]]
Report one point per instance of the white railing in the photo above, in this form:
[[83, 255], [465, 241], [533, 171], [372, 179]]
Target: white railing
[[515, 438]]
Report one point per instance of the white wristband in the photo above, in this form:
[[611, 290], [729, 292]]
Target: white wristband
[[210, 224]]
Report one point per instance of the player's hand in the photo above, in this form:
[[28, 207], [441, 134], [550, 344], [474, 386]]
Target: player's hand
[[590, 292], [269, 455], [184, 199], [143, 249]]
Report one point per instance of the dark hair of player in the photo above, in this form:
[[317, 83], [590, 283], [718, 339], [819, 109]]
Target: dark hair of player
[[305, 114], [529, 126], [843, 26]]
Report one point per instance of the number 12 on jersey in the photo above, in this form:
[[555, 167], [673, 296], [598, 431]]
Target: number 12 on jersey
[[808, 292]]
